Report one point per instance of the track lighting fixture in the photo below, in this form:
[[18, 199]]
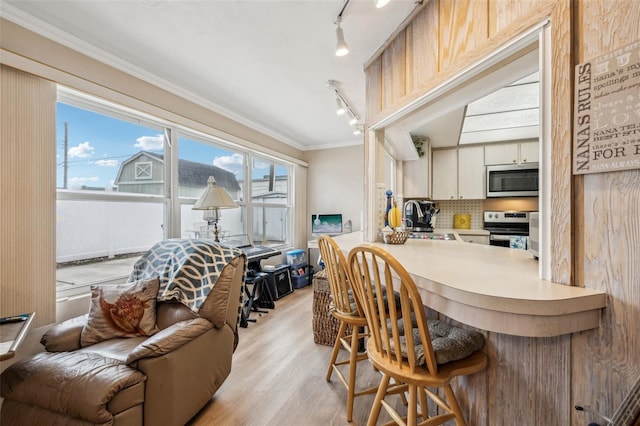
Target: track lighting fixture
[[352, 119], [357, 130], [341, 46], [381, 3], [343, 105]]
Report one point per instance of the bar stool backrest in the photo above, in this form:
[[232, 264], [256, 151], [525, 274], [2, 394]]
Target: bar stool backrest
[[344, 299], [375, 271]]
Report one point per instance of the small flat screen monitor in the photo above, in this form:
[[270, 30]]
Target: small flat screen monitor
[[330, 224]]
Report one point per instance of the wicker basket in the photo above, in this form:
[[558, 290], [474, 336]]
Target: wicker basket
[[325, 326], [395, 237]]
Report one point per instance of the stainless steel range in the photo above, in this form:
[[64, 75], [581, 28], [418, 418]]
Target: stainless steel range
[[507, 228]]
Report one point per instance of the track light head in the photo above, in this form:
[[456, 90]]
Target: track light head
[[340, 110], [341, 46], [381, 3]]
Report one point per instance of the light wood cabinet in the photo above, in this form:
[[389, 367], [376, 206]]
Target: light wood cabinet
[[458, 174], [445, 174], [511, 153], [471, 176], [415, 178], [529, 152]]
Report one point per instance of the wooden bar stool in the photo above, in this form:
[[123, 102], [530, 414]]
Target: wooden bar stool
[[348, 311], [417, 355]]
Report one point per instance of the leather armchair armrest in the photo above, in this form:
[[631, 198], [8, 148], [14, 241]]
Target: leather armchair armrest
[[169, 339], [64, 337]]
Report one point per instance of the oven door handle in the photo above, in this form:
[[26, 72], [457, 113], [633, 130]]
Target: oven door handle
[[493, 237]]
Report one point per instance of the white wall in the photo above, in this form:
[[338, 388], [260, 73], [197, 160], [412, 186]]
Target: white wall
[[335, 184]]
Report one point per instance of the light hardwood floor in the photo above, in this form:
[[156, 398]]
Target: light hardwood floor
[[278, 375]]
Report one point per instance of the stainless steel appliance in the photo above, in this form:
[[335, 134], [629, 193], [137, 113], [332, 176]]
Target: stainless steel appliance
[[512, 180], [419, 214], [507, 228]]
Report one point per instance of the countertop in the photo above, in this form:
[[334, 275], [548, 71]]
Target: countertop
[[491, 288]]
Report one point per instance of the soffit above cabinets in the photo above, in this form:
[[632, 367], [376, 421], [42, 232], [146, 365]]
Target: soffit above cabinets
[[484, 110]]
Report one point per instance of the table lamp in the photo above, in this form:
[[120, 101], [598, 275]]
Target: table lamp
[[213, 199]]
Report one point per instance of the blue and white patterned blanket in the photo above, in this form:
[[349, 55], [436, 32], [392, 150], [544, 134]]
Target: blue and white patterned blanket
[[188, 269]]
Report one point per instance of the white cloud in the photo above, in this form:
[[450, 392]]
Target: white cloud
[[150, 143], [232, 163], [260, 164], [83, 150], [106, 163], [77, 182]]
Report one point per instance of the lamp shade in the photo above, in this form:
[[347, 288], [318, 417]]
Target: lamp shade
[[214, 197]]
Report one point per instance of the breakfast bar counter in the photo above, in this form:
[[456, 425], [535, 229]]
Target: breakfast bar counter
[[491, 288]]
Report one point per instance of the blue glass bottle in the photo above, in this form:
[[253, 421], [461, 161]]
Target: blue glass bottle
[[389, 206]]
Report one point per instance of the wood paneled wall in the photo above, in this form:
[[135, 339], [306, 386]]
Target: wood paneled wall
[[28, 194], [606, 361], [595, 218]]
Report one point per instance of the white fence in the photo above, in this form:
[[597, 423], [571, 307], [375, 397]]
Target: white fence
[[95, 229]]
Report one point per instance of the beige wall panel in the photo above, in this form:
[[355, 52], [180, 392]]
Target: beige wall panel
[[528, 380], [336, 180], [481, 50], [422, 47], [394, 70], [28, 188], [561, 142], [503, 13], [463, 25], [607, 361], [373, 75]]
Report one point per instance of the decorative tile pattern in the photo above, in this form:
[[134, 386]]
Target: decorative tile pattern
[[449, 208]]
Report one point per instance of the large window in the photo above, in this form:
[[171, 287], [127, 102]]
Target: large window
[[103, 162], [270, 199], [198, 160], [126, 180]]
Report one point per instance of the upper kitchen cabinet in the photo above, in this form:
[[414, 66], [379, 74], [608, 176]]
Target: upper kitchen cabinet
[[445, 174], [415, 179], [458, 174], [471, 174], [512, 153]]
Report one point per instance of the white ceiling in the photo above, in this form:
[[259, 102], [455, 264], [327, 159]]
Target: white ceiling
[[262, 62]]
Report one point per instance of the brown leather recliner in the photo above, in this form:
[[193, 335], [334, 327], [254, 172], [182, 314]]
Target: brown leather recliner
[[164, 379]]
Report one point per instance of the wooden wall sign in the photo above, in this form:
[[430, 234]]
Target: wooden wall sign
[[607, 112]]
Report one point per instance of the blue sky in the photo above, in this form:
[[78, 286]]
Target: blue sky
[[98, 144]]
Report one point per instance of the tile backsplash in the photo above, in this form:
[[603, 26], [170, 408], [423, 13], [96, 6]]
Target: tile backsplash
[[475, 208], [449, 208]]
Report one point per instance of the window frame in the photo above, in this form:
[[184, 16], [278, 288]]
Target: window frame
[[171, 198]]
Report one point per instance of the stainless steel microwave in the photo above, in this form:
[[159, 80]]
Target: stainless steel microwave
[[512, 180]]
